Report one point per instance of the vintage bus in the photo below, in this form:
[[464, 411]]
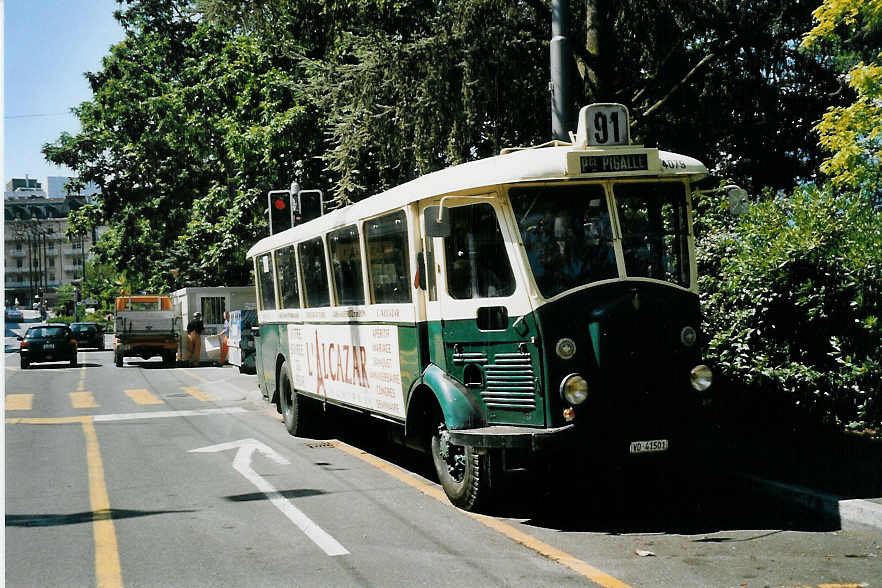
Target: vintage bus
[[541, 300]]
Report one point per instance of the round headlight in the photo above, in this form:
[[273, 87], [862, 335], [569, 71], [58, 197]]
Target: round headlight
[[565, 348], [574, 389], [701, 378], [688, 336]]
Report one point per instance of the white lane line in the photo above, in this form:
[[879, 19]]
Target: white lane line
[[131, 416], [242, 464]]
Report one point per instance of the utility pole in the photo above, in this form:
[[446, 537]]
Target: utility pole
[[560, 50]]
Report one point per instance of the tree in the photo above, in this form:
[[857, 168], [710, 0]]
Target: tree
[[188, 126], [852, 134]]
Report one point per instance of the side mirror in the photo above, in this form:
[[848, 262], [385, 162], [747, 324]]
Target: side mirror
[[436, 227], [737, 200]]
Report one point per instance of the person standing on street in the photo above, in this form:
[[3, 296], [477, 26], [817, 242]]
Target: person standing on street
[[194, 338], [225, 335]]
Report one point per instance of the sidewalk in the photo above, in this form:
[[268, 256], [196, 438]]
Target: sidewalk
[[849, 513]]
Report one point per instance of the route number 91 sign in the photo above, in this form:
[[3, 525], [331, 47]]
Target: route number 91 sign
[[605, 125]]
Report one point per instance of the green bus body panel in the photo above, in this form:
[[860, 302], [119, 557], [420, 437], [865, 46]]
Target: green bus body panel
[[503, 367], [460, 408]]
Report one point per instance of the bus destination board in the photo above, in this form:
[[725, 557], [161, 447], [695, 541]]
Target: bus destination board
[[593, 164]]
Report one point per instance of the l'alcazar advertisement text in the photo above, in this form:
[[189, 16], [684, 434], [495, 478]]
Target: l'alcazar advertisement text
[[355, 364]]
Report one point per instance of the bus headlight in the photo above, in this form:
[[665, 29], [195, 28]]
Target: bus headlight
[[701, 378], [574, 389]]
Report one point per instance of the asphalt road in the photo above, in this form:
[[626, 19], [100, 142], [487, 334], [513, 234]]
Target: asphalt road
[[143, 476]]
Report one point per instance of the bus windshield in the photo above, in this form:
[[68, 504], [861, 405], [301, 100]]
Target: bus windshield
[[569, 240], [655, 233], [567, 234]]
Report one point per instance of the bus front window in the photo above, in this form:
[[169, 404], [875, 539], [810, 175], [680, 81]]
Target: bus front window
[[567, 234], [655, 233]]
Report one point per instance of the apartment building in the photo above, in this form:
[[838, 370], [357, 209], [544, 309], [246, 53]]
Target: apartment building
[[39, 256]]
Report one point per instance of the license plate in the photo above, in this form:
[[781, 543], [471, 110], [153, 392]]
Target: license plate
[[49, 346], [653, 446]]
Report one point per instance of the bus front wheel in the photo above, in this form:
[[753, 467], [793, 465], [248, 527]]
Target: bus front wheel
[[463, 472], [292, 404]]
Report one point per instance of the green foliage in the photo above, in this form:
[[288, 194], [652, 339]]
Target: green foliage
[[792, 296]]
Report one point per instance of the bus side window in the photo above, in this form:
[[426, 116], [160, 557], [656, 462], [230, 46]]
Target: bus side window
[[477, 262], [286, 264], [315, 275], [345, 253], [388, 258], [265, 282]]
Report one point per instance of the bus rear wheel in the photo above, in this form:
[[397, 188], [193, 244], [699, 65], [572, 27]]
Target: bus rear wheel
[[463, 472], [291, 404]]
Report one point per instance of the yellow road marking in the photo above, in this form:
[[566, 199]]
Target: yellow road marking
[[108, 573], [143, 396], [82, 385], [197, 393], [83, 399], [196, 376], [19, 401], [588, 571], [45, 421]]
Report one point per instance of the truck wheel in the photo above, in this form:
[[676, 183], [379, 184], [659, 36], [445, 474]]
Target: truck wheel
[[25, 364], [73, 361], [463, 473], [291, 404], [168, 360], [118, 359]]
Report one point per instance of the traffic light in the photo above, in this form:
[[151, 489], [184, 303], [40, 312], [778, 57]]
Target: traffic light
[[281, 215]]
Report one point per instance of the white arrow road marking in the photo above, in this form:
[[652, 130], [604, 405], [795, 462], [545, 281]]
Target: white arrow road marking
[[242, 464]]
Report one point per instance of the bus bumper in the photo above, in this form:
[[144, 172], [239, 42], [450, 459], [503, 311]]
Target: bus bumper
[[509, 437]]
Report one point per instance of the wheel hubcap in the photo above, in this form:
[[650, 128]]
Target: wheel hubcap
[[452, 455]]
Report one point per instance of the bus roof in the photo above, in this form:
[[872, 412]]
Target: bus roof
[[525, 165]]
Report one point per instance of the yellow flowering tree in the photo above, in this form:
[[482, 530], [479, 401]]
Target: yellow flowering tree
[[850, 30]]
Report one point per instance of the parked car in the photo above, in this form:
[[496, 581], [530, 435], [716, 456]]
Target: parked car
[[14, 315], [88, 334], [52, 342]]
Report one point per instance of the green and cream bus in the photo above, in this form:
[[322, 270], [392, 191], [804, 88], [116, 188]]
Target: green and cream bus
[[541, 300]]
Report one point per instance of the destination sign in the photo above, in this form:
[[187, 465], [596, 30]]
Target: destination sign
[[593, 164]]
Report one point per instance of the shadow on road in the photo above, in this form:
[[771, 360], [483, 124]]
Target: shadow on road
[[55, 520], [300, 493], [664, 499]]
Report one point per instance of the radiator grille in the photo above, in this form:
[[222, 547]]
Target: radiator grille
[[510, 382]]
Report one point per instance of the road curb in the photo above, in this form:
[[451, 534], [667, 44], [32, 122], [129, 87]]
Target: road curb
[[849, 513]]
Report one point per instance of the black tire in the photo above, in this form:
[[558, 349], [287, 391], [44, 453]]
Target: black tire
[[291, 404], [168, 360], [25, 364], [118, 359], [463, 473], [73, 361]]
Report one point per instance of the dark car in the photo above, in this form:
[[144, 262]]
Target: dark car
[[52, 342], [88, 334]]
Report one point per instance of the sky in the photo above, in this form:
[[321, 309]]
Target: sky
[[47, 47]]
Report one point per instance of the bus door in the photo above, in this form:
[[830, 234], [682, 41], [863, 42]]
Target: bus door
[[486, 336]]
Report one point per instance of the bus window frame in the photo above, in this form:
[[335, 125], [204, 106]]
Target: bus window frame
[[335, 301], [411, 240], [297, 279], [303, 292], [257, 274], [690, 234], [518, 302]]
